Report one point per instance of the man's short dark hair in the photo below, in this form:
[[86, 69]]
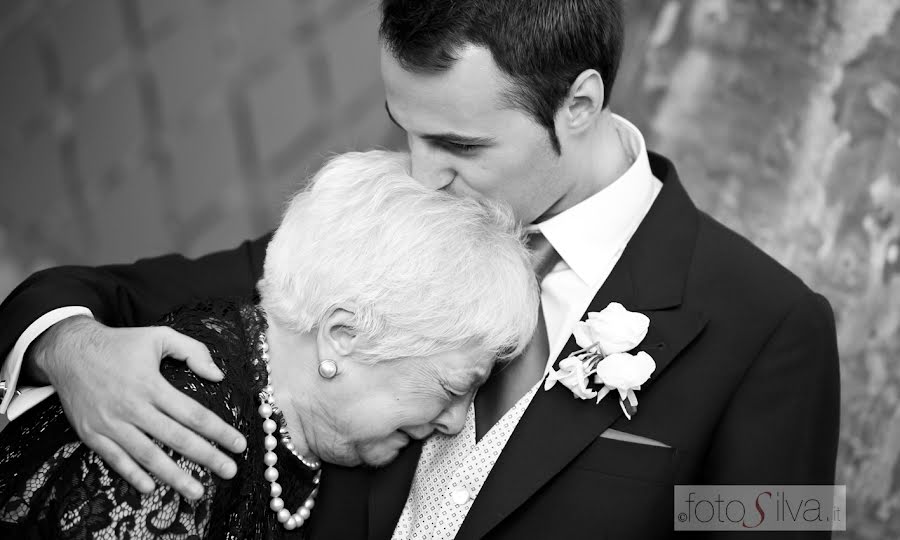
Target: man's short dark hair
[[541, 45]]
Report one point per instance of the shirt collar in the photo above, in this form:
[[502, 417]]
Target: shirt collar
[[590, 234]]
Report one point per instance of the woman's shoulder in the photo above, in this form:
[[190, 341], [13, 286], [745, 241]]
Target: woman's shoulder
[[230, 329], [215, 319]]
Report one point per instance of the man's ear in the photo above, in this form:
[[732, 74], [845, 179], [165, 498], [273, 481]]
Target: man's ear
[[337, 338], [584, 102]]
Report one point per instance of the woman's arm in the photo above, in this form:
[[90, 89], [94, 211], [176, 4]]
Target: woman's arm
[[109, 507], [108, 378], [73, 494]]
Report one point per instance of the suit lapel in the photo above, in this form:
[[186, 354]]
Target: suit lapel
[[342, 504], [649, 278]]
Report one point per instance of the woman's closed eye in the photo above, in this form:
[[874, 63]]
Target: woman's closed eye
[[456, 392], [453, 393]]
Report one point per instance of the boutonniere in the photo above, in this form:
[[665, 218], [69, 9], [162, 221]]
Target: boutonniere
[[605, 338]]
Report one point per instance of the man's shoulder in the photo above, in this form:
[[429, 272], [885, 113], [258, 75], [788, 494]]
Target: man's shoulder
[[724, 264], [727, 267]]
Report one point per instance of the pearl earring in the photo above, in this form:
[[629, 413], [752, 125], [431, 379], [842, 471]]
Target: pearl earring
[[328, 369]]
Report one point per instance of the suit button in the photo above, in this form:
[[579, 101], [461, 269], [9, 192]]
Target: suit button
[[460, 496]]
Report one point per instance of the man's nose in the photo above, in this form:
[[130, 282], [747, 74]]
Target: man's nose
[[452, 420], [428, 167]]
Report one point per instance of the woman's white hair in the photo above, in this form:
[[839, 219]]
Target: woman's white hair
[[423, 271]]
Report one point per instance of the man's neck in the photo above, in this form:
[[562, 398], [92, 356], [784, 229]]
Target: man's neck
[[596, 162], [607, 156]]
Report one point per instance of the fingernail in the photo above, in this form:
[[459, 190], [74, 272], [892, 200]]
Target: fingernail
[[195, 491], [146, 486], [220, 375], [227, 469], [239, 444]]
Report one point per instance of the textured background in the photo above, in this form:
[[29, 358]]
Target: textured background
[[136, 127]]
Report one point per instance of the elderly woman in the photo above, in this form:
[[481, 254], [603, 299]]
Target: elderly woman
[[383, 306]]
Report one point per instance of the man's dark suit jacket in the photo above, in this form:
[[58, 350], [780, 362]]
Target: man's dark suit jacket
[[746, 388]]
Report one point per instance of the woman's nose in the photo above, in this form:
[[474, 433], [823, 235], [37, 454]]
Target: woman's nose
[[452, 420]]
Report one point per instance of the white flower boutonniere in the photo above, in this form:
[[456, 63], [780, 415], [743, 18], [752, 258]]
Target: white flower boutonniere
[[604, 339]]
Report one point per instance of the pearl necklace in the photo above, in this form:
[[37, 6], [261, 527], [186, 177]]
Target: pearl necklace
[[267, 396]]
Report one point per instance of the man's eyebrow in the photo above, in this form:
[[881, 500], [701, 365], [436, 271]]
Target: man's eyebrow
[[453, 138]]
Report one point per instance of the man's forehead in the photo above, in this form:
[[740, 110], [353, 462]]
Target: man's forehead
[[442, 131], [469, 93]]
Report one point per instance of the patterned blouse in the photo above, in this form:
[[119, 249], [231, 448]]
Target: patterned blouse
[[54, 486]]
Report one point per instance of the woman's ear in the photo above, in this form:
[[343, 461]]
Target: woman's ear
[[336, 336]]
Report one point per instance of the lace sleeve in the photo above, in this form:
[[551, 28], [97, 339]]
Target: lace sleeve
[[53, 486], [82, 498]]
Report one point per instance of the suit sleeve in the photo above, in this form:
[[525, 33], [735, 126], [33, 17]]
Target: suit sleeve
[[781, 426], [134, 294]]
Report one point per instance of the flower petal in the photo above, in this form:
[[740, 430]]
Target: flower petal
[[603, 391], [570, 363], [627, 408], [615, 328], [632, 398], [582, 335], [550, 381]]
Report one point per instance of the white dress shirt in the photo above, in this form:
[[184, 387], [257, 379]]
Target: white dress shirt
[[589, 238], [16, 401]]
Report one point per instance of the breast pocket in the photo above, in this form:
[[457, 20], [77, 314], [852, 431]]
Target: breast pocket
[[629, 460]]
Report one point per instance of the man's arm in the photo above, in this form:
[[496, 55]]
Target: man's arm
[[781, 426], [27, 397], [108, 378], [131, 295]]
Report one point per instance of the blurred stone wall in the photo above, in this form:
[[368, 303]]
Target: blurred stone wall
[[783, 118], [135, 127]]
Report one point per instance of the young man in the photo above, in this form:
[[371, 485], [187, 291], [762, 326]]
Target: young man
[[508, 100]]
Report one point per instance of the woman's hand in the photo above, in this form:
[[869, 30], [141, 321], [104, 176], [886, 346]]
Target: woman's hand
[[114, 396]]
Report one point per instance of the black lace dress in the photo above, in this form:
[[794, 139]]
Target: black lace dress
[[53, 486]]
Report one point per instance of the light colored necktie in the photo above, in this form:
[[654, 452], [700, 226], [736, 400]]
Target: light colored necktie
[[515, 379]]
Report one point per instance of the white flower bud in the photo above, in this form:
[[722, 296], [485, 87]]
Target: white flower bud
[[615, 329]]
